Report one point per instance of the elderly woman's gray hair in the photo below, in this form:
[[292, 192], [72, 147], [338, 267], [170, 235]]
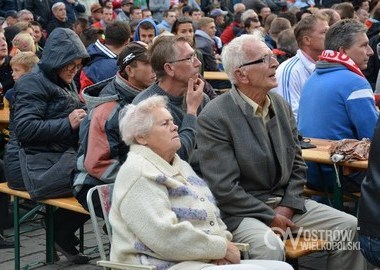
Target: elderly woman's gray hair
[[343, 34], [137, 120], [233, 54]]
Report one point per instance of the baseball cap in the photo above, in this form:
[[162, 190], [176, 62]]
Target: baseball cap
[[133, 51], [218, 12], [95, 7], [11, 13]]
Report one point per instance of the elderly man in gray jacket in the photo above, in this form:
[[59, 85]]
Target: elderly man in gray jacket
[[250, 155]]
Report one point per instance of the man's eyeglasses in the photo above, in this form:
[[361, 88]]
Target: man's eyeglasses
[[190, 59], [266, 59], [72, 66]]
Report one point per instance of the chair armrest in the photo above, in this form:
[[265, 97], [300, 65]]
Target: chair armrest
[[244, 249], [115, 265]]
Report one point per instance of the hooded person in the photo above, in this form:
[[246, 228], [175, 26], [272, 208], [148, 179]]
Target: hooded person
[[102, 150], [146, 31], [44, 118]]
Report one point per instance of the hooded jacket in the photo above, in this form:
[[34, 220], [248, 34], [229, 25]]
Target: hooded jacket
[[101, 67], [136, 36], [102, 152], [205, 45], [43, 102]]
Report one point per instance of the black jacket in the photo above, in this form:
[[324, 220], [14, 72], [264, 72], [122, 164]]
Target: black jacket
[[54, 23], [369, 204], [41, 10], [43, 102]]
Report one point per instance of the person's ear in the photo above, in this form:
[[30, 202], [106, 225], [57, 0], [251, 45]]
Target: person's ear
[[169, 69], [241, 76], [306, 40], [140, 139], [129, 71]]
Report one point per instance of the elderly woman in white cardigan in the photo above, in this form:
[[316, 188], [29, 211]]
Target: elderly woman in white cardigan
[[162, 213]]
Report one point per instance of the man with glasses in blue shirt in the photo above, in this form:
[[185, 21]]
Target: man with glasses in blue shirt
[[250, 156], [177, 68]]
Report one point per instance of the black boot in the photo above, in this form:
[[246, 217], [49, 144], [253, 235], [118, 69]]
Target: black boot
[[72, 254], [66, 223]]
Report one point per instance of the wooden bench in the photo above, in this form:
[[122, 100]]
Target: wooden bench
[[302, 248], [69, 203], [337, 199], [215, 75]]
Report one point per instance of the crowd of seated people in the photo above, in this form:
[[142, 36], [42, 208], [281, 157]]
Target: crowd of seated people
[[86, 60]]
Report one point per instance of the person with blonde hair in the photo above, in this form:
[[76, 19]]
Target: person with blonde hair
[[22, 42], [21, 63]]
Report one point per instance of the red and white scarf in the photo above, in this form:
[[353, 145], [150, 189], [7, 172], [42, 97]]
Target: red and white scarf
[[341, 58]]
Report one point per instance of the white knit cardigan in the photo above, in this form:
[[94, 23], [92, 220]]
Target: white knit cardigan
[[164, 215]]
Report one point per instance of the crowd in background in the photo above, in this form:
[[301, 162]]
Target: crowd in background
[[220, 22]]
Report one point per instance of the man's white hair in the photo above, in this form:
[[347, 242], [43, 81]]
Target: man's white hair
[[234, 55]]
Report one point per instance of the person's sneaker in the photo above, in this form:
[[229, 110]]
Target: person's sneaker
[[71, 253]]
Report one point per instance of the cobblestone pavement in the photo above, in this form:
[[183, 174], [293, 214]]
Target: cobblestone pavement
[[33, 251]]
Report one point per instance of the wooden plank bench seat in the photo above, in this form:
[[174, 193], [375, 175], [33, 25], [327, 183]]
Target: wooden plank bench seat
[[215, 75], [346, 197], [69, 203], [302, 248]]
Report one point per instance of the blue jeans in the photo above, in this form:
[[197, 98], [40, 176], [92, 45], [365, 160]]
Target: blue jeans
[[370, 247]]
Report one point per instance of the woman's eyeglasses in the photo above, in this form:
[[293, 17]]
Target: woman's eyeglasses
[[72, 66]]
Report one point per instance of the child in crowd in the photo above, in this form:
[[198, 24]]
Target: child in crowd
[[21, 63], [23, 42]]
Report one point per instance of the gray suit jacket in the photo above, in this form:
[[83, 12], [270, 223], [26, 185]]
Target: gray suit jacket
[[246, 163]]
